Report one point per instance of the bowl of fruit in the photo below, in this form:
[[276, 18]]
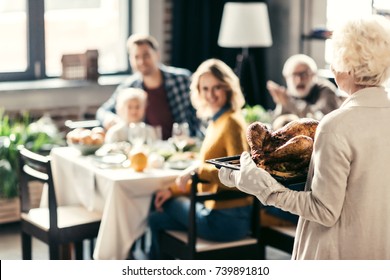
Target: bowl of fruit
[[87, 141]]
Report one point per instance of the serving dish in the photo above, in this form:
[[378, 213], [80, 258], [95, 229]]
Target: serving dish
[[233, 162], [84, 148]]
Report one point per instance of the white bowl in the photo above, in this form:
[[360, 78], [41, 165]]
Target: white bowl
[[84, 148]]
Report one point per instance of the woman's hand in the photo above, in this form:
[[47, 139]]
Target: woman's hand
[[161, 197], [250, 179], [181, 181]]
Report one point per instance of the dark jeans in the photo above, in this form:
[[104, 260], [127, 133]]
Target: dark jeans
[[217, 225]]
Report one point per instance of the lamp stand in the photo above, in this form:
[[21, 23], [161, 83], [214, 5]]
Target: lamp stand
[[244, 61]]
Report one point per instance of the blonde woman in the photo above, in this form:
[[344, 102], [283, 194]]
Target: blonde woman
[[344, 210], [216, 94]]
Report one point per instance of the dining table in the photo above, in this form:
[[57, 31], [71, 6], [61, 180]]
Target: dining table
[[121, 194]]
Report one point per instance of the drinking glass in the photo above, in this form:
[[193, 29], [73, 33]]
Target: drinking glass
[[158, 132], [180, 135], [137, 134]]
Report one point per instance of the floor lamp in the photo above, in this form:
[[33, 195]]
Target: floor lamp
[[245, 25]]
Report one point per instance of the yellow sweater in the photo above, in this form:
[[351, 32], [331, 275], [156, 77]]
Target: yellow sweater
[[224, 137]]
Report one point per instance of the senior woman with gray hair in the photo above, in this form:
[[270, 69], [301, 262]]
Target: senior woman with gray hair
[[344, 210]]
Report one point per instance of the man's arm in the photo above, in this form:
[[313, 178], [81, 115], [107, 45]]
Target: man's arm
[[106, 112], [326, 100]]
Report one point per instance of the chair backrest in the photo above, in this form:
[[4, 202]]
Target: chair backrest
[[226, 195], [36, 167], [280, 237]]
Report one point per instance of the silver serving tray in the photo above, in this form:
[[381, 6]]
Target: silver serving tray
[[233, 162]]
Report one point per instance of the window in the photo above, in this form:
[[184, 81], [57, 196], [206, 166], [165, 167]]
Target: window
[[336, 15], [39, 32], [13, 49], [381, 7]]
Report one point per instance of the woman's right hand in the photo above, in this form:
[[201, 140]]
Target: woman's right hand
[[161, 197], [181, 181]]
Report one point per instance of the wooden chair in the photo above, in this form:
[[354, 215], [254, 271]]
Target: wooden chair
[[54, 225], [279, 237], [186, 245]]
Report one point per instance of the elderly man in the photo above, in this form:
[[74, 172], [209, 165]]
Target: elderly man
[[167, 89], [306, 94]]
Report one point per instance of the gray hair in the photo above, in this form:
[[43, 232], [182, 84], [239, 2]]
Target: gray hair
[[299, 59], [361, 47]]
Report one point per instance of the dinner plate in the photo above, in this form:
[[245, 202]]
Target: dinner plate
[[109, 160], [179, 164]]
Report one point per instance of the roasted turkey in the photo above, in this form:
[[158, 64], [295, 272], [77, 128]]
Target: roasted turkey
[[285, 151]]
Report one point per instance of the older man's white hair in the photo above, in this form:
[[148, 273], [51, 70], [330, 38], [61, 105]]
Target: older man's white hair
[[298, 59]]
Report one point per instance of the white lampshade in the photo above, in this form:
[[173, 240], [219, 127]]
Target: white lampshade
[[245, 25]]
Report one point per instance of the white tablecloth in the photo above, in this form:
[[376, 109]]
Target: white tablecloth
[[122, 195]]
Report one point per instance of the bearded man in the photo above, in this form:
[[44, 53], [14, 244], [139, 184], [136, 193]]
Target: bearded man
[[306, 95]]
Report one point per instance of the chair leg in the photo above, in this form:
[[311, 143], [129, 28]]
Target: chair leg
[[143, 241], [91, 247], [26, 247], [54, 251], [139, 245], [79, 250], [262, 251]]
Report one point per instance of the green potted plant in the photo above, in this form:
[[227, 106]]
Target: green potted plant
[[256, 113], [13, 133], [10, 138]]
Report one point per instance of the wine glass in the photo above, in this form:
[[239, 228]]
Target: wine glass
[[137, 134], [180, 135], [154, 136]]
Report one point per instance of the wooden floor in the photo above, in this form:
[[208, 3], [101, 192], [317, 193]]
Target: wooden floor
[[10, 247]]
